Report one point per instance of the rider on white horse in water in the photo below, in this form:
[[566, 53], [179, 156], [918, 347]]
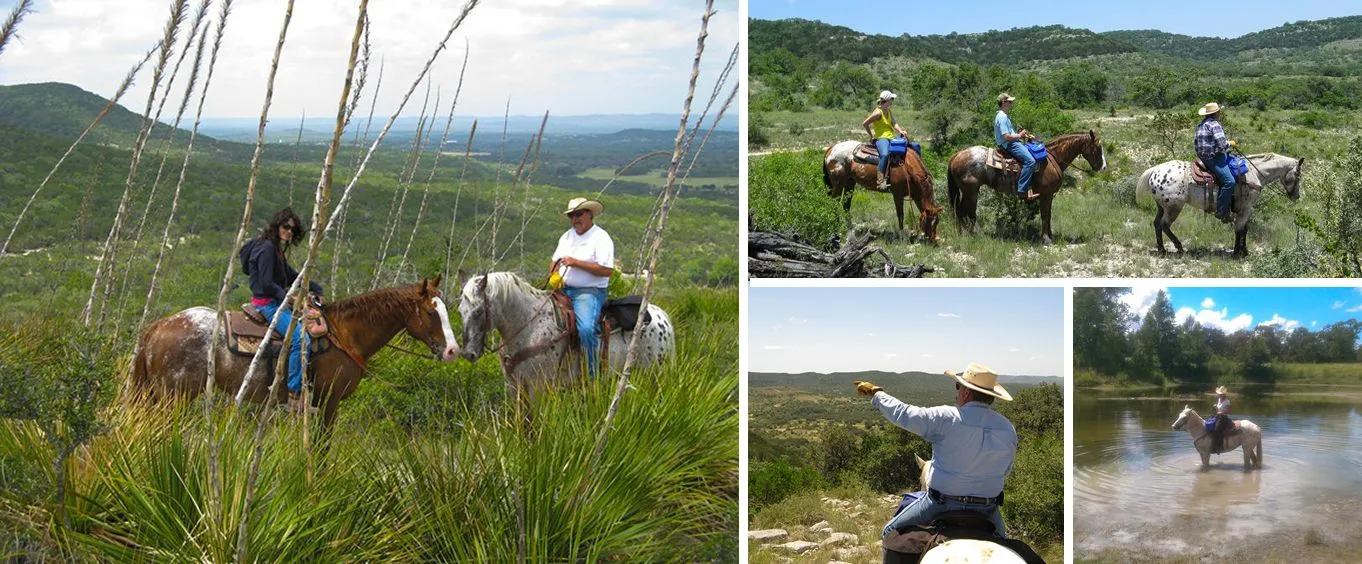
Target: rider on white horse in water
[[881, 126], [1219, 424], [1213, 148], [973, 447]]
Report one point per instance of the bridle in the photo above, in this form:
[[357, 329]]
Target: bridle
[[508, 362]]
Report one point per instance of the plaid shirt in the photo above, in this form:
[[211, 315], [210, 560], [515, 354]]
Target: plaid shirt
[[1210, 139]]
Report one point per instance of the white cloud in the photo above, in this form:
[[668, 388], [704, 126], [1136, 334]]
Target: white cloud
[[772, 347], [1014, 350], [1207, 303], [1282, 322], [798, 321], [1354, 309], [1139, 299], [870, 334], [1037, 357], [571, 57], [1314, 323], [948, 315], [1339, 304], [890, 355], [1219, 319]]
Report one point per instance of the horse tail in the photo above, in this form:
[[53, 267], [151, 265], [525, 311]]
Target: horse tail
[[139, 380], [1142, 189], [827, 181]]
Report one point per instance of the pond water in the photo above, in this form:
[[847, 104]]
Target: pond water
[[1140, 492]]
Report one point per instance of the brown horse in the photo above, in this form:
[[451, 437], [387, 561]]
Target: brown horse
[[172, 360], [968, 171], [841, 174]]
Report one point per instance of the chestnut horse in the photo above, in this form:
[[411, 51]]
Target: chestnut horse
[[968, 171], [841, 174], [172, 360]]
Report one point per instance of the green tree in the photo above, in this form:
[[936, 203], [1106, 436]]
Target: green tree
[[1173, 131], [1080, 85], [837, 453], [1154, 87], [845, 87], [1257, 363], [1158, 333], [1099, 320]]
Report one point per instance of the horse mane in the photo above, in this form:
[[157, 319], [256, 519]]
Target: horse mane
[[382, 304], [502, 284]]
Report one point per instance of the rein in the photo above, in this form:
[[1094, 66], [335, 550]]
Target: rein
[[509, 362], [358, 360]]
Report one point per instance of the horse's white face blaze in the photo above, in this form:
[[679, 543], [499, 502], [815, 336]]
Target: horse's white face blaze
[[451, 344]]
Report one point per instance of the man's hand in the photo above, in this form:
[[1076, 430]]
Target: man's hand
[[568, 261], [1234, 145], [867, 389]]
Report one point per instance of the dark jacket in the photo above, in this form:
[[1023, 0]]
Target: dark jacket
[[271, 275]]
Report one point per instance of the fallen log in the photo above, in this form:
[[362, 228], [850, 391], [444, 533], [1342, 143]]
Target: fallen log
[[779, 255]]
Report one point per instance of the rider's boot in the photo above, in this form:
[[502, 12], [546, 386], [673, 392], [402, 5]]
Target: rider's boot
[[882, 180]]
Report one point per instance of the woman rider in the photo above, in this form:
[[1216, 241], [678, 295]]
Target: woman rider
[[881, 127], [1221, 422], [264, 260]]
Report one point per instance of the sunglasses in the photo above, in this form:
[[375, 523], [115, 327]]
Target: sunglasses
[[293, 228], [576, 214]]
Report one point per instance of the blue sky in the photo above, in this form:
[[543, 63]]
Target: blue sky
[[1237, 309], [1011, 330], [1231, 19]]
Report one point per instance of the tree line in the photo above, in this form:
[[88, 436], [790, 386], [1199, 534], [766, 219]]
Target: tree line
[[1113, 344]]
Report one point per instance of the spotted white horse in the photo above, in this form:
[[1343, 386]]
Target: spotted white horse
[[1172, 187], [534, 350]]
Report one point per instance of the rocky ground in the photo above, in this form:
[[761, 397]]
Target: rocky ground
[[848, 531]]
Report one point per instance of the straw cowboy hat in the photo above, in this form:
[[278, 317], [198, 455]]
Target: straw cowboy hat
[[979, 377], [887, 95], [584, 204], [1005, 97], [1222, 390], [1208, 109]]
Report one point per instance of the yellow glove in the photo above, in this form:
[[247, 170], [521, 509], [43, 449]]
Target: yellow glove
[[1234, 144], [555, 280], [867, 389]]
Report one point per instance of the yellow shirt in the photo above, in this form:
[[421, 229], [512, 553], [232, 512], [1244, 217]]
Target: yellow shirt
[[883, 128]]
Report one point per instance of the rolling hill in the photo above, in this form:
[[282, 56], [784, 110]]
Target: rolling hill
[[63, 111]]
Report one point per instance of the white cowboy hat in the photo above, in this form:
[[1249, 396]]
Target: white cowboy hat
[[1222, 390], [979, 377], [1005, 97], [887, 95], [1208, 109], [584, 204]]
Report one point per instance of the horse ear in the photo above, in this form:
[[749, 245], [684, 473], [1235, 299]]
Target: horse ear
[[463, 278], [1093, 134], [920, 461], [1300, 162], [435, 283], [425, 288]]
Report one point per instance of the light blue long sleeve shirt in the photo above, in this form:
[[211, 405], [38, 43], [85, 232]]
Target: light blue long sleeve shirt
[[972, 446], [1002, 124]]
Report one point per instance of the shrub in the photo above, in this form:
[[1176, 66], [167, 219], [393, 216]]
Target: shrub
[[772, 482], [785, 193]]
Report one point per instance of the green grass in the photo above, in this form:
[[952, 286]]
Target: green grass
[[427, 463], [1325, 373], [1100, 230]]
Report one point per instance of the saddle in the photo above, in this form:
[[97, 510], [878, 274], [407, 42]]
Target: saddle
[[246, 330], [618, 315], [1203, 177], [867, 153], [1003, 161], [908, 545]]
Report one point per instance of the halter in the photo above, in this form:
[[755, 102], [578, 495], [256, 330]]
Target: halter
[[1283, 191], [509, 362]]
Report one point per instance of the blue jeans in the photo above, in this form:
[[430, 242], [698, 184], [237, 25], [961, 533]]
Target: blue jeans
[[882, 145], [295, 351], [925, 509], [586, 305], [1219, 166], [1028, 163]]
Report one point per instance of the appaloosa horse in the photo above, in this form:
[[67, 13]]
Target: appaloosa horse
[[172, 360], [534, 344], [968, 170], [1246, 435], [1172, 187], [907, 177]]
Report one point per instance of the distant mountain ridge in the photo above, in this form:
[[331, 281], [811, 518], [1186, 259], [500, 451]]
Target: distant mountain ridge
[[63, 111], [826, 42]]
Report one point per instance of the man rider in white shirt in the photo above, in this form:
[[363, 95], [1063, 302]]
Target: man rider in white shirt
[[585, 258]]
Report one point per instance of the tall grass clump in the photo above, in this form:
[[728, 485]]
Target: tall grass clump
[[786, 194]]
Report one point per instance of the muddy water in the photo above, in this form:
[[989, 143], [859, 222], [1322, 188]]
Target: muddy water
[[1140, 494]]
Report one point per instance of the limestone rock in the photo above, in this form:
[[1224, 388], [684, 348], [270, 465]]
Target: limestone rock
[[838, 539], [765, 535], [797, 547]]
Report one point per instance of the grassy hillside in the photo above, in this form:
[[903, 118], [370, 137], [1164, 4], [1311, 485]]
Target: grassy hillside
[[64, 110]]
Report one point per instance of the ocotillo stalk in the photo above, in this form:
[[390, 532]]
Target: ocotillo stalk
[[106, 257], [250, 199], [677, 153], [458, 191], [404, 184], [122, 89], [11, 26], [359, 172], [425, 194], [293, 170], [338, 248], [318, 216]]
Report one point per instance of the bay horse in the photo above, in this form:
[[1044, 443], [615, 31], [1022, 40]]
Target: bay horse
[[841, 174], [1248, 436], [1172, 187], [534, 348], [968, 170], [173, 362]]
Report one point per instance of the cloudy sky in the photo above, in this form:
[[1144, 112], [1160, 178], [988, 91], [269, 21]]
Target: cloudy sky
[[1016, 331], [1238, 309], [571, 57]]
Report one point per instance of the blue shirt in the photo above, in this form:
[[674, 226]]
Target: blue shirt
[[972, 445], [1002, 125]]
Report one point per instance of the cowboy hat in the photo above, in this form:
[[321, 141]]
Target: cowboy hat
[[1222, 390], [1005, 97], [887, 95], [584, 204], [978, 377], [1208, 109]]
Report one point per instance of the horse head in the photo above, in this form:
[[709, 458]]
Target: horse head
[[1093, 151], [1292, 181], [428, 321], [1182, 417], [931, 217], [476, 311], [925, 471]]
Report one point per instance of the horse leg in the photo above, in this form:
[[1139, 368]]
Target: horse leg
[[1169, 217], [1046, 202], [1205, 458], [846, 202], [898, 209], [1158, 230], [1241, 241]]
